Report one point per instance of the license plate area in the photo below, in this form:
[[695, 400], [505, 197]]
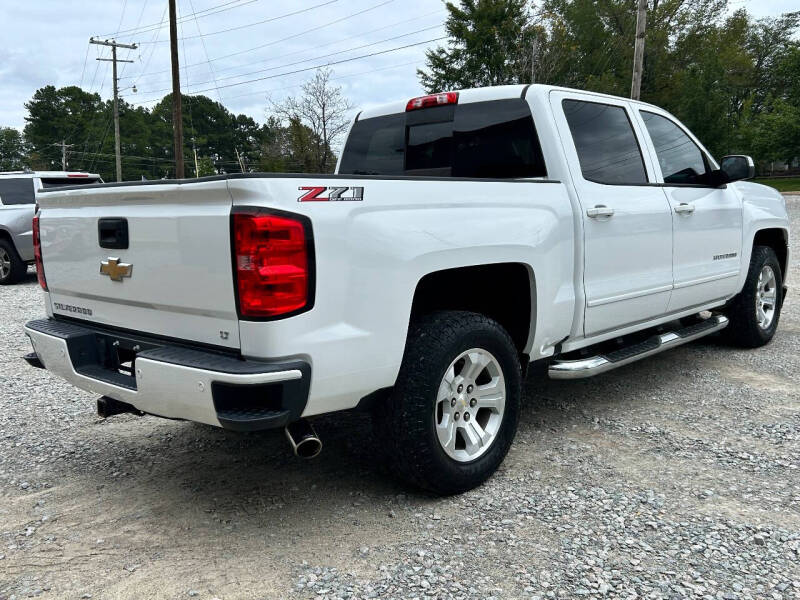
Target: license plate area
[[106, 357]]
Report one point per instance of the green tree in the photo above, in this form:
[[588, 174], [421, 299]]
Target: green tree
[[13, 153], [211, 129], [730, 78], [205, 166], [485, 46], [69, 114]]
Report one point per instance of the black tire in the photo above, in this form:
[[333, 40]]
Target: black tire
[[405, 423], [744, 329], [17, 269]]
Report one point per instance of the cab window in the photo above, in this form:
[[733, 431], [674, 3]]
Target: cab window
[[606, 144], [16, 190]]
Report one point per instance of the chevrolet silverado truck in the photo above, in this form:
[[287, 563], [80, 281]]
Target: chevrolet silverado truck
[[464, 236]]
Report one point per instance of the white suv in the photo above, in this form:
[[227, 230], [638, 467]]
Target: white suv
[[17, 200]]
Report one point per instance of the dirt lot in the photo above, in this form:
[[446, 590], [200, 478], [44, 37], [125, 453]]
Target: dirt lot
[[676, 477]]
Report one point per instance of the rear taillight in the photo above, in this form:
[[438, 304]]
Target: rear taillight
[[432, 100], [273, 262], [37, 253]]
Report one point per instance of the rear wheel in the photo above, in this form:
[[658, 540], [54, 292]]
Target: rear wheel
[[453, 414], [755, 311], [12, 268]]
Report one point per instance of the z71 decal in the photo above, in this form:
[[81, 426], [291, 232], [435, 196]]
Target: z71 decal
[[314, 193]]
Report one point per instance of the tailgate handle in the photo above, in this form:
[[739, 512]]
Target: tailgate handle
[[112, 233]]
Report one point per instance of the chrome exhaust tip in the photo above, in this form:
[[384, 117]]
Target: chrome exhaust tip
[[303, 439]]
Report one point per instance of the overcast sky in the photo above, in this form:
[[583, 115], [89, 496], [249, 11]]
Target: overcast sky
[[46, 42]]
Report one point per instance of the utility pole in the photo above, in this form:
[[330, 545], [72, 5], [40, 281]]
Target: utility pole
[[64, 147], [638, 49], [177, 111], [114, 60]]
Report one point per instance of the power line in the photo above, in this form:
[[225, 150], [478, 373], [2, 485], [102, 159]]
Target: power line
[[301, 33], [85, 59], [156, 33], [317, 28], [205, 51], [338, 62], [316, 46], [271, 19], [296, 85], [336, 41], [207, 12], [216, 80]]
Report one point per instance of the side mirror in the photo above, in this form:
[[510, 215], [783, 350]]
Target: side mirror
[[738, 167]]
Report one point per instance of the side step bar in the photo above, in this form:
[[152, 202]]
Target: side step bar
[[594, 365]]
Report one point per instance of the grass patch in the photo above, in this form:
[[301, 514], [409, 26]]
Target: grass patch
[[782, 184]]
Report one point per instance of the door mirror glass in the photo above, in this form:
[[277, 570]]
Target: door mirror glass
[[737, 167]]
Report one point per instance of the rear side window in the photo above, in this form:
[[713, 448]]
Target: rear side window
[[52, 182], [680, 158], [499, 141], [375, 147], [495, 139], [607, 148], [17, 190]]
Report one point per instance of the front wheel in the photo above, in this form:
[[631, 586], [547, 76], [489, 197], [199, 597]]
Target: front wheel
[[454, 410], [755, 311]]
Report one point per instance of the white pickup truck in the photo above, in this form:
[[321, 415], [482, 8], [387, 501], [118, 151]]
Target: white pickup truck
[[464, 236]]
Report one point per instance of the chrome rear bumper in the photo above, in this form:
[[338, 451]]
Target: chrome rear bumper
[[172, 381]]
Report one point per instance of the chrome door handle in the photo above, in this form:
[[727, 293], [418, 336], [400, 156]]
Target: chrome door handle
[[684, 207], [601, 210]]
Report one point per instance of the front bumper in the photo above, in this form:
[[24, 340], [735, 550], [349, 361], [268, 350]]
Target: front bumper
[[170, 380]]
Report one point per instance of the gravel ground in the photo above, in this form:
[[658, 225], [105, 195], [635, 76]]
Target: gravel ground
[[675, 477]]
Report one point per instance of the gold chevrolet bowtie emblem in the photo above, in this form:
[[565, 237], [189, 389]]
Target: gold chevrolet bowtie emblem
[[115, 269]]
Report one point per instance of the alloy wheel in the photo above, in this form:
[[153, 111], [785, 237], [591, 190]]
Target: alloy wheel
[[470, 405]]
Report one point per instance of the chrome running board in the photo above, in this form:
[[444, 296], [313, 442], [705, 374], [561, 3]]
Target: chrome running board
[[594, 365]]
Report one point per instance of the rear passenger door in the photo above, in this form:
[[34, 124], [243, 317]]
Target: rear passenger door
[[707, 220], [627, 222]]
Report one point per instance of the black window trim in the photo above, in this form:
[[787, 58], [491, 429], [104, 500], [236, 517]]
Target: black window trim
[[707, 158], [635, 137]]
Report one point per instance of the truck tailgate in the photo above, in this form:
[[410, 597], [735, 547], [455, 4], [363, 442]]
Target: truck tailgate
[[179, 281]]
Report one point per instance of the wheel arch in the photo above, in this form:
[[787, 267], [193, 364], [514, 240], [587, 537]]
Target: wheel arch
[[6, 235], [485, 289], [778, 239]]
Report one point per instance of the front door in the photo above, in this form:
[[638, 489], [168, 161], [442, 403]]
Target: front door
[[627, 222], [706, 220]]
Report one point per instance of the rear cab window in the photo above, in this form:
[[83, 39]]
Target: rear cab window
[[16, 190], [607, 148], [490, 139]]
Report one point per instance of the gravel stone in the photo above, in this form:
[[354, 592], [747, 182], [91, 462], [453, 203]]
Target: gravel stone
[[675, 477]]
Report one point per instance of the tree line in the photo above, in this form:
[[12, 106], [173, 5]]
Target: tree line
[[299, 134], [732, 79]]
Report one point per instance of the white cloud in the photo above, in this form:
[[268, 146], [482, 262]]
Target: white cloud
[[46, 42], [325, 33]]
